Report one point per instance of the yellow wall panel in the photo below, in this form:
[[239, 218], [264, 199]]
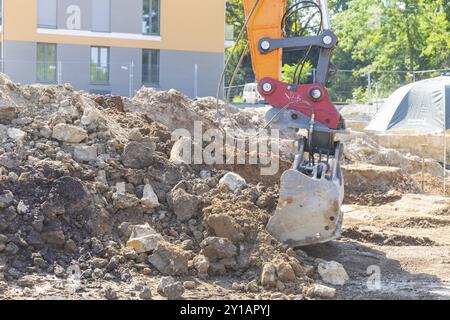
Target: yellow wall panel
[[188, 25]]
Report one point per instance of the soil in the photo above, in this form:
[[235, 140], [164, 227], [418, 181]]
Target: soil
[[75, 169]]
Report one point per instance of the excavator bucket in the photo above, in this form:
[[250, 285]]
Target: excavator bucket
[[309, 209]]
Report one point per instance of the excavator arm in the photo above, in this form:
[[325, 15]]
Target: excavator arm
[[312, 192], [266, 42]]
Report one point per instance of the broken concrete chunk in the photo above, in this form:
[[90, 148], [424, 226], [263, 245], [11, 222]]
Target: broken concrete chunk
[[225, 227], [214, 247], [10, 160], [201, 264], [137, 155], [333, 273], [170, 288], [324, 292], [8, 110], [91, 117], [233, 181], [69, 133], [121, 187], [269, 275], [170, 259], [285, 272], [16, 134], [149, 198], [185, 205], [144, 238], [85, 153], [124, 200], [22, 208], [6, 199]]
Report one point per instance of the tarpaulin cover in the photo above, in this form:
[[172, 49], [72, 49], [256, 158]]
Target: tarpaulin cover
[[419, 106]]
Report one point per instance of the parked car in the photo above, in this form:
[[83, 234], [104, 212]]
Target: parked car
[[251, 94]]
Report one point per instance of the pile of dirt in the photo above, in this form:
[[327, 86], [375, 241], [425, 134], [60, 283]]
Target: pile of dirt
[[361, 148], [375, 185], [175, 110], [90, 184], [87, 184]]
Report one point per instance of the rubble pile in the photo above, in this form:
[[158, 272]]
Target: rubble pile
[[87, 183], [92, 183]]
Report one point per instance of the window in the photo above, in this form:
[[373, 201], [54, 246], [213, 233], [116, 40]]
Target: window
[[99, 65], [101, 15], [150, 17], [46, 63], [1, 12], [47, 14], [150, 67]]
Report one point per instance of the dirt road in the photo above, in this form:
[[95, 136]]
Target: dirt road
[[407, 241]]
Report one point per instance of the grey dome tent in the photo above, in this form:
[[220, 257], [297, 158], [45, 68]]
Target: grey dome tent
[[418, 107]]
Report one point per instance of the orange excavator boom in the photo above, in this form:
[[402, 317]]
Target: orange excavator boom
[[265, 22]]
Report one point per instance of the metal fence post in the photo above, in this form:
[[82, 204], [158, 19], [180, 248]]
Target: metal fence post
[[369, 80], [195, 80], [59, 72], [131, 79]]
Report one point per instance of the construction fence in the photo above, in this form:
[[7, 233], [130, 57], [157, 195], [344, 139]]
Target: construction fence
[[356, 86]]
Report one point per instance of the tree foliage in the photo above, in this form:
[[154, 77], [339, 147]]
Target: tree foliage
[[375, 36]]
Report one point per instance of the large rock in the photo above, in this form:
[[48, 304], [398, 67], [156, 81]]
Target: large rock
[[137, 155], [225, 227], [201, 264], [91, 117], [333, 273], [324, 292], [285, 272], [85, 153], [144, 238], [185, 205], [16, 134], [8, 110], [68, 133], [269, 275], [170, 288], [233, 181], [220, 248], [149, 197], [124, 200], [6, 199], [10, 160], [169, 259]]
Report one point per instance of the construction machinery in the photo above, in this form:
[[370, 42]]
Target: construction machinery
[[312, 192]]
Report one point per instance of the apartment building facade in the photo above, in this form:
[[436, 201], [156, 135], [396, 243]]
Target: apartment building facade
[[115, 46]]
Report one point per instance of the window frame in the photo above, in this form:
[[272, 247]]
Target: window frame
[[46, 63], [150, 53], [55, 26], [110, 18], [158, 33], [96, 81], [1, 14]]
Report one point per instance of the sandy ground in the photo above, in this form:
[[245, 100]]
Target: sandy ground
[[408, 241]]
